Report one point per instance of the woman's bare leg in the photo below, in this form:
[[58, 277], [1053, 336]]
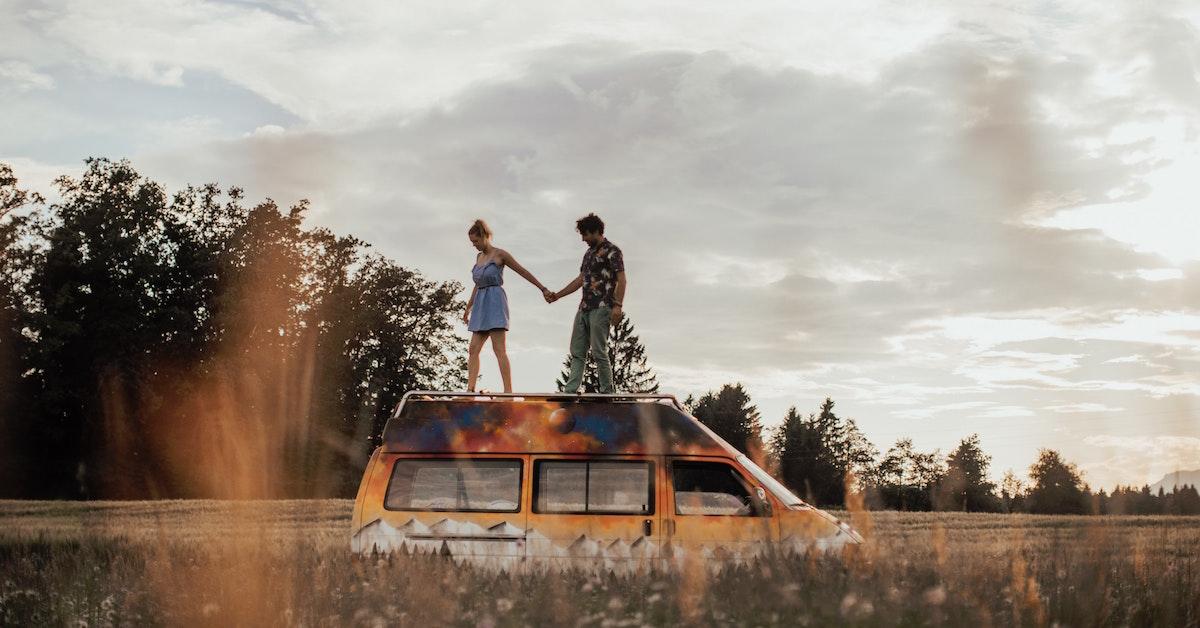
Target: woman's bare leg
[[502, 358], [477, 340]]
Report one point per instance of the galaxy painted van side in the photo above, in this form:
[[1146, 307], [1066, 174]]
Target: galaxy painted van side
[[623, 482]]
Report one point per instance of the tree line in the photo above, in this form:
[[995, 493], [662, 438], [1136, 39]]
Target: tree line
[[824, 458], [194, 344]]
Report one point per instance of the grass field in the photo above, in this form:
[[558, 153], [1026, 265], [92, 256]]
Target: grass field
[[269, 563]]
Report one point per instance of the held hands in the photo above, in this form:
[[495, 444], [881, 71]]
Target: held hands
[[550, 297]]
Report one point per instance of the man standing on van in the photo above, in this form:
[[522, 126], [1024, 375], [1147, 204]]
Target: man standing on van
[[602, 277]]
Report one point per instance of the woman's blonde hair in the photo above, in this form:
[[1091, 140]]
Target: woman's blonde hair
[[480, 228]]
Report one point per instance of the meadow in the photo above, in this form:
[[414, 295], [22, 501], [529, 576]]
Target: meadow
[[257, 563]]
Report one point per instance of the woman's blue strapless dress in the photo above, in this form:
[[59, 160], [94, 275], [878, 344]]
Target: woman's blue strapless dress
[[490, 310]]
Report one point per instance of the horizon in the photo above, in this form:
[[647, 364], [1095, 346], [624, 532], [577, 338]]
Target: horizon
[[950, 221]]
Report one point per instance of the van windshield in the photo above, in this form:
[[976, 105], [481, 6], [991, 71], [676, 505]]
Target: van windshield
[[779, 490]]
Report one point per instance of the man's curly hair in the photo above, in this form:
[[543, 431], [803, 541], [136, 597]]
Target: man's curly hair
[[590, 223]]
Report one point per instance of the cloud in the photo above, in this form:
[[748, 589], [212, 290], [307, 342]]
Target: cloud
[[21, 77], [927, 411], [337, 64], [1159, 274], [1072, 408], [1142, 459], [894, 208], [267, 130], [792, 212], [1003, 412]]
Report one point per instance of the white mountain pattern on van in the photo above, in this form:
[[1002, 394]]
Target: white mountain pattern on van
[[505, 528], [450, 527], [467, 542]]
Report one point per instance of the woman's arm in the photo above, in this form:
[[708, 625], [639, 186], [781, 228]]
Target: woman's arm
[[471, 300], [509, 260]]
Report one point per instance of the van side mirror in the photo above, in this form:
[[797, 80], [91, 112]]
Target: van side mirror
[[762, 505]]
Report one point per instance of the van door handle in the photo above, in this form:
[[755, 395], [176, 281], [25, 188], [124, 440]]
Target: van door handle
[[648, 527]]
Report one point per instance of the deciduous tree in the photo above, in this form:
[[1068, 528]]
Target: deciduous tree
[[966, 485], [18, 449], [1012, 492], [906, 478], [1058, 487], [257, 341]]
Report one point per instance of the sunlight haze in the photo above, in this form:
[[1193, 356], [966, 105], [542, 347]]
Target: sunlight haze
[[951, 218]]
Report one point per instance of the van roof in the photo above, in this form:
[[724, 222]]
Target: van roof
[[440, 422]]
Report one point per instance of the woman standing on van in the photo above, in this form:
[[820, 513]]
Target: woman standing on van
[[487, 309]]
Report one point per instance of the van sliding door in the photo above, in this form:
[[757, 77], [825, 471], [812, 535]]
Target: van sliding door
[[586, 511]]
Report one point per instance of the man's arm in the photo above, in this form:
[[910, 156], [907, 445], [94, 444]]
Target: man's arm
[[618, 297], [575, 284]]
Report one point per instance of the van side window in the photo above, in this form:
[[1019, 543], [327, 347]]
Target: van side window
[[481, 485], [571, 486], [709, 488]]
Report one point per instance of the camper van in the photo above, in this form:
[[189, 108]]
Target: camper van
[[627, 482]]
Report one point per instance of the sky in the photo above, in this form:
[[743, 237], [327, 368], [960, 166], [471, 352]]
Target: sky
[[950, 217]]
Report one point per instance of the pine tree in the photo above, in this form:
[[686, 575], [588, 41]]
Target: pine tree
[[818, 454], [792, 440], [1189, 500], [631, 372], [730, 414]]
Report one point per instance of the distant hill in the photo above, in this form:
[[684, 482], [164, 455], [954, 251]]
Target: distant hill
[[1177, 478]]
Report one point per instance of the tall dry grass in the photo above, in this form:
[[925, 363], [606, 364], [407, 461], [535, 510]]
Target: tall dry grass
[[287, 563]]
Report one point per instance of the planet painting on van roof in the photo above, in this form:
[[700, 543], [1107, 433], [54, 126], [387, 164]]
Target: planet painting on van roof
[[561, 420], [585, 427]]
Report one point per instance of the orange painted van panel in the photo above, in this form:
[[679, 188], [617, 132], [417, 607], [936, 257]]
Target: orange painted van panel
[[548, 426], [533, 430]]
